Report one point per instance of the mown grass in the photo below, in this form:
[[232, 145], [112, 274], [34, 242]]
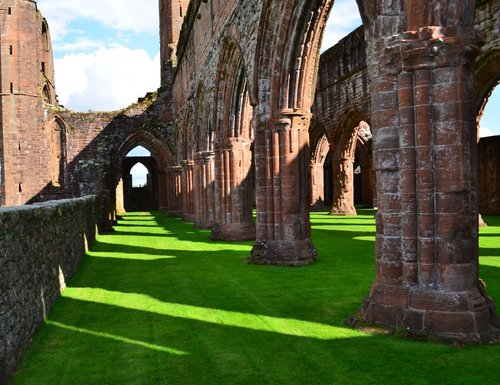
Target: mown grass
[[156, 303]]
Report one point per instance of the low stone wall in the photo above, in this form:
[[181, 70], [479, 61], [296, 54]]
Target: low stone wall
[[40, 247]]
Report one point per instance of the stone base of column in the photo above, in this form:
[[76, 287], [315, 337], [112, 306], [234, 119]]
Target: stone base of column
[[233, 232], [345, 211], [283, 253], [318, 206], [203, 224], [188, 217], [466, 316]]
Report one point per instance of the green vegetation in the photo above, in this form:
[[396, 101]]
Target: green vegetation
[[156, 303]]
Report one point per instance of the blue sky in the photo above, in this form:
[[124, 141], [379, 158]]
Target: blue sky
[[107, 51]]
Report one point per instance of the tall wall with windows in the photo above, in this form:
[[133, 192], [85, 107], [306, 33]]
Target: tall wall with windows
[[27, 88]]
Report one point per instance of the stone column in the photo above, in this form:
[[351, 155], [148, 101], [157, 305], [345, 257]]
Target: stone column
[[120, 208], [282, 191], [343, 183], [187, 191], [234, 200], [317, 188], [426, 163], [162, 187], [204, 190], [174, 190]]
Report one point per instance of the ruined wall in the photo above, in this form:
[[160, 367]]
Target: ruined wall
[[489, 176], [342, 85], [487, 72], [94, 143], [27, 82], [41, 247], [206, 26]]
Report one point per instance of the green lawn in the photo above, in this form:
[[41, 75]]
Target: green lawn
[[156, 303]]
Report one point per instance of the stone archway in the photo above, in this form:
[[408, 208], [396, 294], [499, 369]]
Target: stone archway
[[158, 165], [344, 144], [143, 197], [420, 62], [318, 160], [233, 148], [204, 164], [286, 71]]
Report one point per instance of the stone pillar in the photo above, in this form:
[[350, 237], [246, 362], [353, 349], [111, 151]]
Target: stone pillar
[[343, 183], [187, 190], [120, 207], [233, 192], [426, 163], [162, 187], [282, 192], [174, 190], [204, 190], [317, 188]]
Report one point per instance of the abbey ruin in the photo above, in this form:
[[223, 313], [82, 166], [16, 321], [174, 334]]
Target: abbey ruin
[[249, 116]]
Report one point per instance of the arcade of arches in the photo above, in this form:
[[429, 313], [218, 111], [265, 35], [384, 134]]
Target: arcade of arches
[[399, 91], [250, 116]]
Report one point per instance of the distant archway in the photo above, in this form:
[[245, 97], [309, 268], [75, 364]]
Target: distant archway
[[142, 147], [140, 182], [233, 148]]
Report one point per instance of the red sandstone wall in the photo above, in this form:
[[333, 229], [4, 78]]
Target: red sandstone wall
[[342, 85], [172, 14], [489, 176], [25, 143], [202, 36]]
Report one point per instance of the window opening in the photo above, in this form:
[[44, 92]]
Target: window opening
[[139, 175], [138, 151]]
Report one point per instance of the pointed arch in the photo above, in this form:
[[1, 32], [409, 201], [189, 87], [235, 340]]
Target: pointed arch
[[233, 147], [233, 109], [158, 162]]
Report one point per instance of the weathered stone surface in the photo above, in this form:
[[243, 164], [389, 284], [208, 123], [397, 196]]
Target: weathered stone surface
[[244, 73], [41, 247]]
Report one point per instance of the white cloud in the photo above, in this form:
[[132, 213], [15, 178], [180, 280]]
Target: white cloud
[[81, 44], [108, 79], [125, 15], [344, 18]]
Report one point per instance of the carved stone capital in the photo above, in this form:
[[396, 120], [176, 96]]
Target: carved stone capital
[[431, 47]]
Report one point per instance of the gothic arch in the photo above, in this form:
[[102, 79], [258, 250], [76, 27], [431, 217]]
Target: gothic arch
[[233, 147], [233, 109], [321, 148], [147, 140], [203, 168], [203, 135], [344, 140], [162, 161], [287, 55]]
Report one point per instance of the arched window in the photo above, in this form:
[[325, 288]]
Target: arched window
[[138, 151], [45, 36], [139, 175]]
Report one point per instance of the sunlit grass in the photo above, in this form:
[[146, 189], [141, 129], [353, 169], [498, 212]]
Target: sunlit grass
[[157, 303]]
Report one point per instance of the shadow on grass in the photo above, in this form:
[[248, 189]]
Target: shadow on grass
[[90, 343], [175, 308]]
